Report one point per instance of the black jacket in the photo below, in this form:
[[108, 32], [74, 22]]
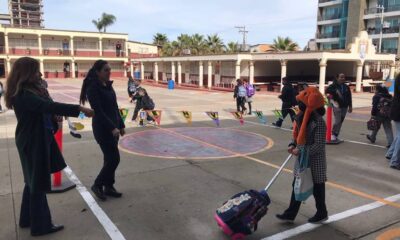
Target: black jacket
[[375, 101], [395, 110], [146, 103], [288, 95], [341, 93], [37, 148], [103, 101]]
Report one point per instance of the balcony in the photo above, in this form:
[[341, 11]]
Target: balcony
[[373, 31], [329, 17], [86, 53], [24, 51], [56, 52], [113, 53], [334, 34], [326, 3], [388, 9], [390, 50]]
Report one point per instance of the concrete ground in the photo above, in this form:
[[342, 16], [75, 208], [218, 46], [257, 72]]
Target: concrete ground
[[176, 197]]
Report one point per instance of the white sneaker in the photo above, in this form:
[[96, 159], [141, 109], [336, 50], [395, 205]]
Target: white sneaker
[[150, 122]]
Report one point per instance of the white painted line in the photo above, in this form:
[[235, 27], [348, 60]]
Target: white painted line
[[334, 218], [104, 220]]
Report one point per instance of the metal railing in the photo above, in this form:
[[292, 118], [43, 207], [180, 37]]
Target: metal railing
[[329, 17], [384, 31], [389, 50], [334, 34], [377, 10]]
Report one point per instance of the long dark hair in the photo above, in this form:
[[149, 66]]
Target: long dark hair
[[24, 75], [90, 79]]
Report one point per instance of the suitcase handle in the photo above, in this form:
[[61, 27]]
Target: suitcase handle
[[277, 173]]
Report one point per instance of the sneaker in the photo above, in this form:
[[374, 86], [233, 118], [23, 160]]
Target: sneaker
[[151, 122], [370, 139], [318, 218], [395, 167], [249, 113], [98, 191], [334, 138], [112, 192], [285, 218], [276, 125]]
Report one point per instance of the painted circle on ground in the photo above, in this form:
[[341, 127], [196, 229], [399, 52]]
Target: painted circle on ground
[[194, 143]]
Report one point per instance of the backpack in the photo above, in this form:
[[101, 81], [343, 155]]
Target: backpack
[[242, 91], [384, 107], [242, 212], [250, 90], [151, 104]]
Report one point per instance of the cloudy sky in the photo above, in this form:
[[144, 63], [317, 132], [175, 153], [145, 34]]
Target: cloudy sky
[[141, 19]]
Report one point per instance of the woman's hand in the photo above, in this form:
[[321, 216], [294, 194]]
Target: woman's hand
[[87, 111], [122, 132], [116, 132]]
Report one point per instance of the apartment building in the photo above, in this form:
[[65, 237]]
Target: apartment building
[[26, 13], [339, 21]]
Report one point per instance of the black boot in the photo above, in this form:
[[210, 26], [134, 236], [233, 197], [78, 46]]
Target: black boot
[[318, 218], [98, 191], [285, 218], [53, 229], [112, 192]]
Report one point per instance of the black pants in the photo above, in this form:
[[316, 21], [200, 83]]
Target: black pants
[[135, 112], [286, 109], [319, 196], [240, 102], [35, 211], [249, 106], [110, 151], [0, 104]]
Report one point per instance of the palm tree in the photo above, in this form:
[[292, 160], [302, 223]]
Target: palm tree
[[183, 44], [107, 20], [232, 47], [166, 49], [160, 39], [215, 44], [284, 44], [198, 44], [98, 24]]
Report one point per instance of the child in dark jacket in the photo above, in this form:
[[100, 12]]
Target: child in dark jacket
[[382, 99], [145, 103]]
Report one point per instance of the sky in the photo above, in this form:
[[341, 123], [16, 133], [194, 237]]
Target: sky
[[141, 19]]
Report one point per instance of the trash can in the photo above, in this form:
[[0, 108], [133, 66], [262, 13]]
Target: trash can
[[390, 85], [171, 84], [136, 75]]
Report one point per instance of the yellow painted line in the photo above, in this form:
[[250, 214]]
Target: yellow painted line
[[392, 234]]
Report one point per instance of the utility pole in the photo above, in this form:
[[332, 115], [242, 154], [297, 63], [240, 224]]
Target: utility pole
[[382, 8], [242, 29]]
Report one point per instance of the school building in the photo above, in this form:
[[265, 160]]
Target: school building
[[359, 62], [70, 54]]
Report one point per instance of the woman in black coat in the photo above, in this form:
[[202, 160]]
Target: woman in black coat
[[394, 151], [37, 148], [107, 125]]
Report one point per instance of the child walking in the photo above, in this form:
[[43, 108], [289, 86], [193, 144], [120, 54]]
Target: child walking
[[250, 90], [240, 94]]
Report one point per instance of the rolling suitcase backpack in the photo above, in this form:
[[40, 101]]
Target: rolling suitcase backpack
[[239, 216]]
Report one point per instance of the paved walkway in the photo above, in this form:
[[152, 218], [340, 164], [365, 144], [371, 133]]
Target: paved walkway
[[174, 196]]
